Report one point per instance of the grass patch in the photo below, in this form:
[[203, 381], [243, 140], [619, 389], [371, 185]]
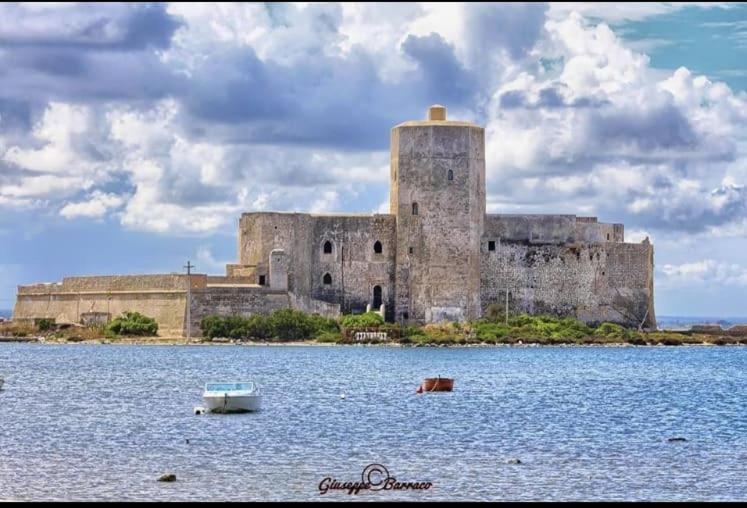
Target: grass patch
[[365, 320]]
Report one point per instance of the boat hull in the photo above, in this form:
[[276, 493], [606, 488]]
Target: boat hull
[[438, 384], [227, 403]]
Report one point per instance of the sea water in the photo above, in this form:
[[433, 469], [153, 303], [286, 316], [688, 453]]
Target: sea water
[[103, 422]]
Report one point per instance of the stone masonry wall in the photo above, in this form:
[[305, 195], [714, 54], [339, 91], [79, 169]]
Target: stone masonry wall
[[353, 266], [165, 306], [234, 301], [605, 281], [440, 167]]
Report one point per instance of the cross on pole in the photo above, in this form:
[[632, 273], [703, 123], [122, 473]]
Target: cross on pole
[[189, 267]]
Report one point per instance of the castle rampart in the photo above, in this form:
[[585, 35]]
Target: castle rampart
[[437, 255]]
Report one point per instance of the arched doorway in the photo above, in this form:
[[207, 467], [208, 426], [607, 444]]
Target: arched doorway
[[376, 297]]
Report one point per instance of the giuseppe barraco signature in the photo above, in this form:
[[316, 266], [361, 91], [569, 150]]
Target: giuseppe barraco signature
[[373, 477]]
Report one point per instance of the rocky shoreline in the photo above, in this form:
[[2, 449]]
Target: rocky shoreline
[[178, 341]]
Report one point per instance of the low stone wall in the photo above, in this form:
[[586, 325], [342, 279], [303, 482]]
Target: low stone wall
[[371, 334], [312, 306], [162, 297], [234, 301], [233, 279], [166, 307]]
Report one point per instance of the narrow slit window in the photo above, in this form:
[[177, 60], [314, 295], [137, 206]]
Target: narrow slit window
[[451, 175], [414, 208], [411, 250]]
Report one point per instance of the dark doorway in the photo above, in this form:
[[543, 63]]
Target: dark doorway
[[328, 247], [261, 280], [377, 247], [376, 297]]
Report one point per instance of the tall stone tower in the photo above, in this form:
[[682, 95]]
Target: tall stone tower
[[438, 197]]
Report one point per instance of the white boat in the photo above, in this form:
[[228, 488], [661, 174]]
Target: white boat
[[232, 397]]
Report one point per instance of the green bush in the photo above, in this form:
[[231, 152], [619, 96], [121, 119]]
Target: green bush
[[289, 324], [414, 333], [333, 337], [44, 324], [251, 327], [258, 327], [366, 320], [611, 330], [322, 324], [284, 324], [132, 323], [213, 326], [490, 332]]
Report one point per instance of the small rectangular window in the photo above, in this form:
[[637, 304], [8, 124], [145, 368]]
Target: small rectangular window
[[412, 250], [261, 280], [491, 245]]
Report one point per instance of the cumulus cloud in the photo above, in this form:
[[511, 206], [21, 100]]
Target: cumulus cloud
[[98, 204], [117, 26], [602, 129], [176, 118], [702, 272]]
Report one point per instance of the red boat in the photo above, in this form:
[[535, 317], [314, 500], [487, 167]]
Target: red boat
[[436, 384]]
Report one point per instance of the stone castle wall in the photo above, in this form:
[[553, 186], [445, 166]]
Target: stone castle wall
[[593, 281], [162, 297], [444, 259], [555, 229], [353, 266]]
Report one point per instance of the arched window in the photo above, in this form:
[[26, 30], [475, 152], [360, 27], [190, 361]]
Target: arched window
[[377, 297], [377, 247], [414, 208], [328, 247], [327, 279], [451, 175]]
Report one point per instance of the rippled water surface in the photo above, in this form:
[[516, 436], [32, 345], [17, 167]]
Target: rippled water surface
[[102, 422]]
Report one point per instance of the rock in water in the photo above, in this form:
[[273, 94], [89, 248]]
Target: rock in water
[[513, 461], [676, 439], [169, 477]]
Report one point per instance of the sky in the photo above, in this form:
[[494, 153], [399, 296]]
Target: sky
[[133, 136]]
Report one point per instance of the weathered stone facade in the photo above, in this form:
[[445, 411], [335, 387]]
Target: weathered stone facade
[[437, 255], [442, 256]]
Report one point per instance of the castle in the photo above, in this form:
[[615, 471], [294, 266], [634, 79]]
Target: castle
[[437, 255]]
